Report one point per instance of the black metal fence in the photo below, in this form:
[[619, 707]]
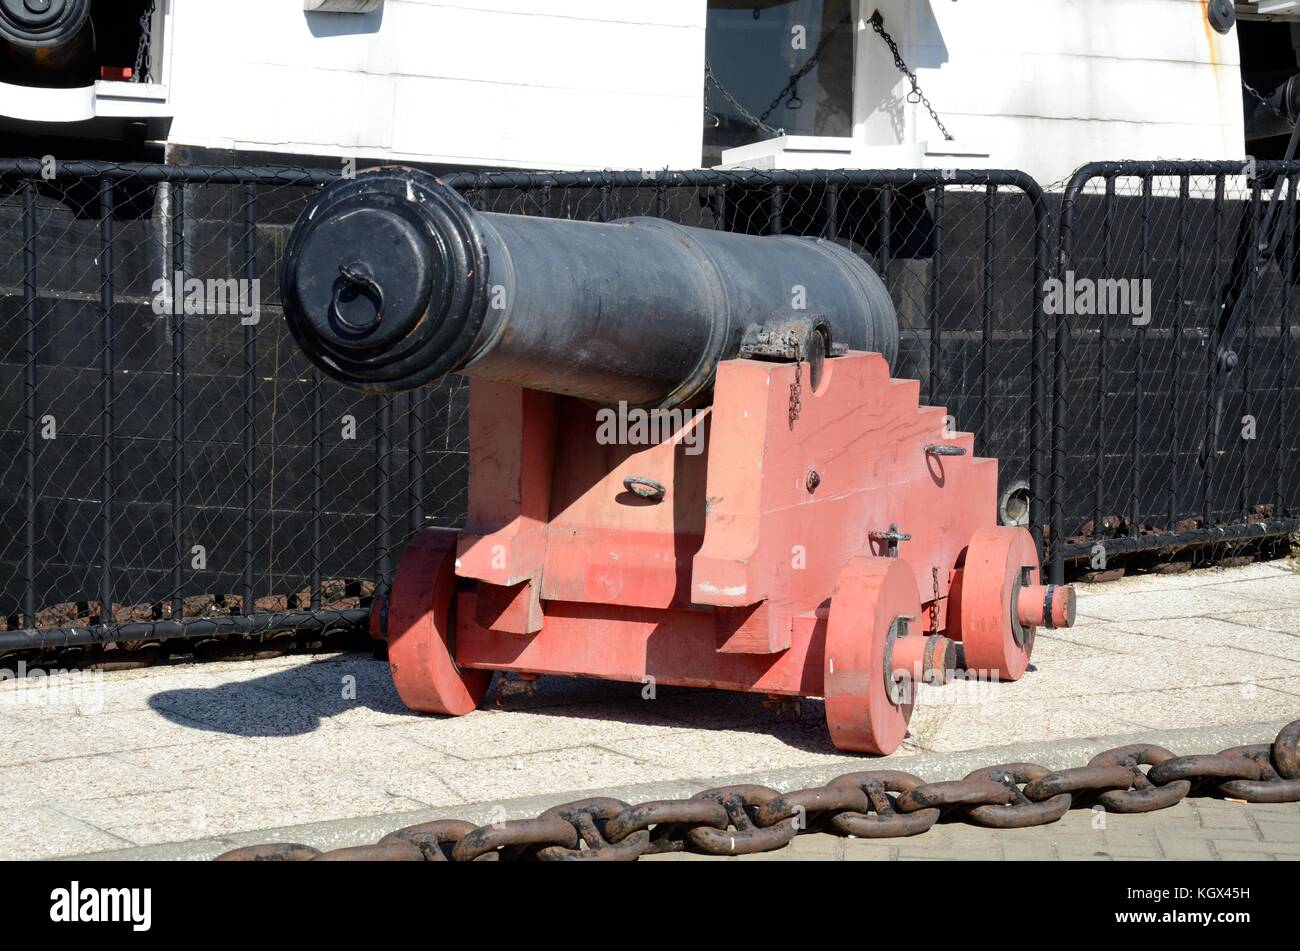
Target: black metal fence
[[1175, 419], [178, 462], [174, 468]]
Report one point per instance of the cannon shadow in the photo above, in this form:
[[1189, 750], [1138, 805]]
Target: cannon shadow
[[301, 700]]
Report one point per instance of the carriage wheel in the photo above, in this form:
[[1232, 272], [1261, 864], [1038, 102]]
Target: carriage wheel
[[421, 620], [867, 707], [999, 563]]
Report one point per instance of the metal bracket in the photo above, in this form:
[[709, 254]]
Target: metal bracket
[[944, 449], [793, 339], [891, 537]]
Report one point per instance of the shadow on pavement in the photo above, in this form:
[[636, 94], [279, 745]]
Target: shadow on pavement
[[299, 700]]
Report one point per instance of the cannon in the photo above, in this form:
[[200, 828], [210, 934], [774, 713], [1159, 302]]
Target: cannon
[[396, 281], [689, 463], [46, 42]]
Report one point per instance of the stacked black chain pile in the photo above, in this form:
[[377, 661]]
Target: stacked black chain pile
[[737, 820]]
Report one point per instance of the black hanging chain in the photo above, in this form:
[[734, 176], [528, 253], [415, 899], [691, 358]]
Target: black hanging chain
[[792, 86], [1268, 105], [756, 121], [915, 96], [143, 66], [790, 90]]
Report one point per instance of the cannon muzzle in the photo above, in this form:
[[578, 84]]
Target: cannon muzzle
[[46, 43], [391, 280]]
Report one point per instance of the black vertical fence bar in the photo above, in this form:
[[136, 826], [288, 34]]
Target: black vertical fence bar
[[415, 460], [1176, 404], [1103, 367], [176, 197], [317, 484], [1055, 412], [1255, 261], [884, 235], [776, 223], [546, 202], [383, 490], [720, 209], [250, 401], [661, 200], [605, 213], [832, 200], [106, 424], [1283, 345], [986, 310], [936, 299], [1041, 415], [1211, 355], [1139, 369], [29, 404]]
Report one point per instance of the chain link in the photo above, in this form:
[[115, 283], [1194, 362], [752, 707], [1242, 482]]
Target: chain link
[[143, 64], [796, 388], [739, 820], [915, 96], [792, 85], [1264, 101], [745, 114]]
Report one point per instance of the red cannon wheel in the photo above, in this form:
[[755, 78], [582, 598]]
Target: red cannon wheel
[[999, 562], [867, 708], [421, 618]]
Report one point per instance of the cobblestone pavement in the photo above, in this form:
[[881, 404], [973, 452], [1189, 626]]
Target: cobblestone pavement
[[1206, 829]]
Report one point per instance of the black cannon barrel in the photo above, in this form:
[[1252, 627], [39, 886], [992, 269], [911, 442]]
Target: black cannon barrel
[[46, 42], [391, 280]]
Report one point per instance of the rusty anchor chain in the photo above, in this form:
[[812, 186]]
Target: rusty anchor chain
[[740, 820]]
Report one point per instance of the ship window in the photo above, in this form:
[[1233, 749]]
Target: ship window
[[777, 65], [122, 37]]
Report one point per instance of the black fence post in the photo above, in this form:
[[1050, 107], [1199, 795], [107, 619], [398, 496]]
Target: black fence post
[[176, 196], [250, 403], [106, 423], [1180, 283], [383, 492], [936, 301], [317, 484], [1283, 346], [986, 309], [1139, 457], [1210, 446], [29, 404]]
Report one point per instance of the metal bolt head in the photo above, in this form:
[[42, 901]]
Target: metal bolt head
[[1222, 14], [813, 480]]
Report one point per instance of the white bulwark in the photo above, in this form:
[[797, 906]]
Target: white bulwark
[[1041, 85]]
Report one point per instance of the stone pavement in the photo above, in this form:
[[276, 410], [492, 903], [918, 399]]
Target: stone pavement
[[187, 759]]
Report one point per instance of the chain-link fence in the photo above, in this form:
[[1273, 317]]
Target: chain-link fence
[[1178, 391], [173, 466]]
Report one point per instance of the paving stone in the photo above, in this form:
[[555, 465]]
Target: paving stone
[[1228, 855], [40, 832]]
